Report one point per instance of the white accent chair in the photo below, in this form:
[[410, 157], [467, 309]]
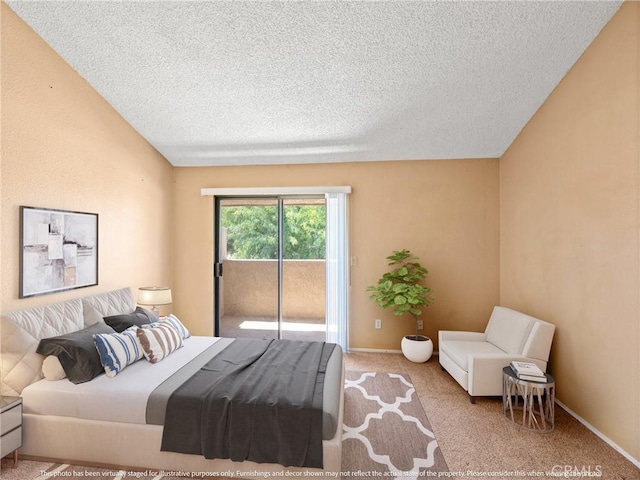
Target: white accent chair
[[475, 360]]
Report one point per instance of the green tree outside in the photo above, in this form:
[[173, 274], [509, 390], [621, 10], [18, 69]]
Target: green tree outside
[[252, 231]]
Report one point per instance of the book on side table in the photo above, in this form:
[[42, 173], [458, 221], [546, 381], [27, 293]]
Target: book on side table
[[528, 371]]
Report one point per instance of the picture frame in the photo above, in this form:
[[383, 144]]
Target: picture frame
[[58, 250]]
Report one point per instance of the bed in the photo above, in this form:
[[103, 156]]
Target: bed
[[107, 421]]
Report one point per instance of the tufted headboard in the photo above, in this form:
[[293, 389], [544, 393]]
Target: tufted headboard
[[21, 331]]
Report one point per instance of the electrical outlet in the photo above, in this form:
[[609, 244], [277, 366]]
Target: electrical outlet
[[420, 325], [378, 323]]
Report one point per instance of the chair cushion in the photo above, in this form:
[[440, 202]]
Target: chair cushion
[[539, 343], [459, 351], [508, 330]]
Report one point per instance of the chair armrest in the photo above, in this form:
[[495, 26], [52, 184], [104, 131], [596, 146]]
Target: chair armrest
[[444, 335], [485, 371], [491, 360]]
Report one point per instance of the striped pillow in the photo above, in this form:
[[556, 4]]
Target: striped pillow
[[118, 350], [159, 340], [173, 320]]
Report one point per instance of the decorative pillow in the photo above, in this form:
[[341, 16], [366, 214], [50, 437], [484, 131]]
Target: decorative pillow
[[52, 369], [77, 352], [91, 315], [118, 350], [159, 340], [179, 326], [140, 316]]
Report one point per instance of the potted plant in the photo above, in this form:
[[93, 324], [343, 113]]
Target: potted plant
[[400, 290]]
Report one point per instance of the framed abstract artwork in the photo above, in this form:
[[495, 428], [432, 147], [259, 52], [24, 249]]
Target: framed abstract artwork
[[58, 250]]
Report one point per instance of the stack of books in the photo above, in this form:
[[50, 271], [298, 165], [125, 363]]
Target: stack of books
[[528, 371]]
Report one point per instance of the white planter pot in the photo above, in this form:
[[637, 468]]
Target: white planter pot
[[418, 351]]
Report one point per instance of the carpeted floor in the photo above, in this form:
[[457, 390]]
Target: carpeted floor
[[478, 441], [475, 440]]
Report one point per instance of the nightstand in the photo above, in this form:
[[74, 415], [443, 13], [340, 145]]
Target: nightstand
[[10, 426]]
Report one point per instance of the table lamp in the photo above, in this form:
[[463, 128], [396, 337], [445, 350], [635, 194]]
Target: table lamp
[[154, 296]]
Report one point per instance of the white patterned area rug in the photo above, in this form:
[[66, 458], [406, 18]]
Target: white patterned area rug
[[386, 432]]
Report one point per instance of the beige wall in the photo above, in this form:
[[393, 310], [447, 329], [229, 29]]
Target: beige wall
[[444, 211], [570, 224], [64, 147]]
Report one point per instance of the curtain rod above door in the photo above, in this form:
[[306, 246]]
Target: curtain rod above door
[[217, 192]]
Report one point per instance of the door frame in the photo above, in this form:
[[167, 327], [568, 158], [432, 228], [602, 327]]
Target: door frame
[[266, 192]]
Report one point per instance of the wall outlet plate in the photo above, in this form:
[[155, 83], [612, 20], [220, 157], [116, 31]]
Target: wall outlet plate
[[420, 325], [378, 323]]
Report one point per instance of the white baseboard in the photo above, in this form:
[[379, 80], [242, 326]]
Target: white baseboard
[[602, 436], [373, 350]]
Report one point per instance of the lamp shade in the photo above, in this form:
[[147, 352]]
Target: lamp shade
[[154, 296]]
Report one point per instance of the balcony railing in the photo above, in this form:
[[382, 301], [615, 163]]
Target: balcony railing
[[249, 299], [250, 288]]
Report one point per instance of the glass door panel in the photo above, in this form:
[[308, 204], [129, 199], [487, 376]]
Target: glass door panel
[[247, 295], [303, 268]]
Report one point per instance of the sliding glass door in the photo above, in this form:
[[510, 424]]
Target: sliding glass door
[[247, 270], [303, 268], [271, 269]]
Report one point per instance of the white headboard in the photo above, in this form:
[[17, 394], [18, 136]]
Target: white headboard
[[21, 331]]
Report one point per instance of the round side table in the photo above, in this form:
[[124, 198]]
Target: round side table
[[535, 400]]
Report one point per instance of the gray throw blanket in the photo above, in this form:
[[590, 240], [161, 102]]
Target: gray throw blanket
[[258, 400]]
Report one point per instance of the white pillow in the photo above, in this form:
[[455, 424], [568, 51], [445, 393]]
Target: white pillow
[[52, 368], [173, 320], [118, 350], [158, 340]]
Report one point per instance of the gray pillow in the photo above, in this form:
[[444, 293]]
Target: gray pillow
[[77, 352], [139, 317]]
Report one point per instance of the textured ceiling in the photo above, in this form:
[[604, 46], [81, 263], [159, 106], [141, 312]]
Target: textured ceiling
[[222, 83]]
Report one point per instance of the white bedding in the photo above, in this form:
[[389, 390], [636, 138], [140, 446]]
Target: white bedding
[[119, 399]]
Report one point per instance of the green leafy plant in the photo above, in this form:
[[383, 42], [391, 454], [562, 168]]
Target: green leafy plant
[[400, 289]]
